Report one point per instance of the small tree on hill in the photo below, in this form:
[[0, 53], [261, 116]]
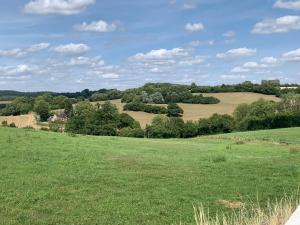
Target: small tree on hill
[[174, 110], [42, 108]]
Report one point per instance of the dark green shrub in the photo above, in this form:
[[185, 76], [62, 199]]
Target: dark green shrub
[[42, 108], [126, 121], [4, 123], [164, 127], [173, 110], [142, 107], [216, 124], [12, 125], [132, 132], [190, 130]]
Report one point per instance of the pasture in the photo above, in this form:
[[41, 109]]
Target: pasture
[[229, 101], [50, 178]]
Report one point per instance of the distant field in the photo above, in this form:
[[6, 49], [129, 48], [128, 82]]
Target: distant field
[[229, 101], [50, 178], [22, 121], [5, 102]]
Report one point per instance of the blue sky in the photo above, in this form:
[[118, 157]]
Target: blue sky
[[70, 45]]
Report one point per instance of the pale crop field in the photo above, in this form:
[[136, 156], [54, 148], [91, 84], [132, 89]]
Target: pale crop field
[[22, 121], [229, 101]]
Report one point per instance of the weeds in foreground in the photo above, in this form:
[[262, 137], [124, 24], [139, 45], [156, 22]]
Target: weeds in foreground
[[273, 214], [295, 150]]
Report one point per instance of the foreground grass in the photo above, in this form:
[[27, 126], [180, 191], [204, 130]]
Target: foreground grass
[[277, 213], [49, 178]]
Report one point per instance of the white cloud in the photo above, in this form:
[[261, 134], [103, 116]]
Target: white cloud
[[292, 55], [254, 65], [79, 61], [279, 25], [21, 52], [110, 76], [62, 7], [194, 27], [239, 69], [71, 48], [155, 70], [233, 77], [159, 54], [15, 70], [202, 43], [270, 60], [97, 26], [193, 61], [229, 33], [189, 6], [237, 53], [288, 4]]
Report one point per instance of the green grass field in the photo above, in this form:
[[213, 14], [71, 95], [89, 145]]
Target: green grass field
[[49, 178]]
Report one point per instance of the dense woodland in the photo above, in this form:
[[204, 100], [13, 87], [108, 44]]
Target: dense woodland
[[83, 117]]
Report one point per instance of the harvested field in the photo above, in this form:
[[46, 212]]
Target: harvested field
[[229, 101], [5, 102], [22, 121]]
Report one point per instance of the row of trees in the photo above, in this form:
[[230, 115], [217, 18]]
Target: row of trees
[[164, 93], [262, 114], [172, 110], [42, 105], [104, 120], [268, 87]]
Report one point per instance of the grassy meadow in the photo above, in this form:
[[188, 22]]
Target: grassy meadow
[[51, 178]]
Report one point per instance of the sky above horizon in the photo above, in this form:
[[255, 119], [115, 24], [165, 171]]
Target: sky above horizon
[[70, 45]]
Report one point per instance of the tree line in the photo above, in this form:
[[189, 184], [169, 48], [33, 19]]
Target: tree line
[[106, 120], [160, 93], [42, 105]]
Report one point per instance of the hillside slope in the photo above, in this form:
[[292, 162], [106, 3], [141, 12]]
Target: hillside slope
[[49, 178]]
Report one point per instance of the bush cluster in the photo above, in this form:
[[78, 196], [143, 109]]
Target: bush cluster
[[164, 93], [42, 105], [139, 106], [104, 120]]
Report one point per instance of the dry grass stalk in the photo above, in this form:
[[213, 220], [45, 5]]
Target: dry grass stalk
[[276, 214]]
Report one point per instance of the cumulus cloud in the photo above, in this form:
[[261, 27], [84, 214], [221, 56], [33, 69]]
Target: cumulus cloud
[[160, 54], [62, 7], [71, 48], [97, 26], [15, 70], [81, 61], [292, 55], [198, 43], [279, 25], [193, 61], [288, 4], [194, 27], [21, 52], [270, 60], [229, 33], [233, 77], [254, 65], [110, 76], [189, 6], [237, 53], [239, 69]]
